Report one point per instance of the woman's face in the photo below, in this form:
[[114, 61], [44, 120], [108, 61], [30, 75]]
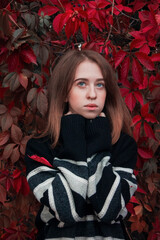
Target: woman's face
[[88, 92]]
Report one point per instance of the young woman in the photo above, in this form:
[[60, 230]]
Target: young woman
[[81, 170]]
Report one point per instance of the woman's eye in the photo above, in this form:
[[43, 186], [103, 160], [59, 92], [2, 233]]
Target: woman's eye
[[100, 85], [81, 84]]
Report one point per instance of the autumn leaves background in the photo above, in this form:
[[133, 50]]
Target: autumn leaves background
[[33, 35]]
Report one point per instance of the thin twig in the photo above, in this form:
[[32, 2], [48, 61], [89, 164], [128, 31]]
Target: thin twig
[[124, 13], [110, 29], [61, 5], [9, 3]]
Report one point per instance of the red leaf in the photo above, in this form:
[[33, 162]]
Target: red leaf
[[23, 80], [134, 200], [2, 194], [130, 208], [145, 60], [14, 63], [71, 27], [60, 20], [25, 187], [119, 57], [139, 97], [6, 121], [150, 118], [141, 190], [16, 134], [17, 184], [137, 43], [84, 30], [125, 68], [145, 109], [15, 155], [137, 71], [127, 9], [3, 109], [47, 10], [130, 101], [148, 131], [144, 85], [124, 91], [8, 150], [92, 4], [145, 49], [155, 57], [42, 103], [28, 56], [136, 119], [16, 173], [41, 160], [145, 153], [4, 137], [136, 131]]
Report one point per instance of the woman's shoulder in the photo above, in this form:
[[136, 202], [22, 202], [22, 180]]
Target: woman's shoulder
[[124, 150], [40, 146], [125, 139]]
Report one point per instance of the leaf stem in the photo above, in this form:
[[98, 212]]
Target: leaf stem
[[124, 13], [110, 29], [61, 5]]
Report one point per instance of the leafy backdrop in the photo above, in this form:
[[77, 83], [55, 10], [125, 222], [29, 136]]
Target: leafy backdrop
[[33, 34]]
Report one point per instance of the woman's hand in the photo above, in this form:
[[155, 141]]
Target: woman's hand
[[102, 114], [68, 113]]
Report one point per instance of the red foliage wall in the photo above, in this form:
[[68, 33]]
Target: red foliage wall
[[33, 34]]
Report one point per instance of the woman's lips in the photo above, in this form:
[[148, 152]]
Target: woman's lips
[[91, 106]]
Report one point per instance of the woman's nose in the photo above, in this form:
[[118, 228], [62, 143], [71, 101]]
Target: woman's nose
[[91, 93]]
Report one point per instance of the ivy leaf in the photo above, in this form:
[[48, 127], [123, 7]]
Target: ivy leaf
[[145, 152], [84, 30], [136, 131], [138, 95], [155, 57], [6, 121], [17, 34], [8, 150], [4, 137], [137, 71], [23, 80], [60, 20], [25, 187], [145, 109], [47, 10], [145, 60], [125, 68], [28, 56], [119, 57], [145, 49], [41, 160], [136, 119], [137, 43], [31, 95], [16, 134], [3, 194], [3, 109], [130, 101], [14, 82], [42, 103], [148, 131]]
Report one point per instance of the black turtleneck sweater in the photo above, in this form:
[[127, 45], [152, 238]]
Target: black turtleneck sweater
[[84, 183]]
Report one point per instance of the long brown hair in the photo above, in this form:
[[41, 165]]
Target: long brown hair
[[60, 85]]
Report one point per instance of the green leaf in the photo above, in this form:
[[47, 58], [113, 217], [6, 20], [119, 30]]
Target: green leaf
[[17, 34]]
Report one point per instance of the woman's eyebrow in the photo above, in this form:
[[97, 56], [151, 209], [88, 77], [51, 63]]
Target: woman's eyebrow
[[86, 79]]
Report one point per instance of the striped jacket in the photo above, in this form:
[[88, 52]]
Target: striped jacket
[[84, 183]]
